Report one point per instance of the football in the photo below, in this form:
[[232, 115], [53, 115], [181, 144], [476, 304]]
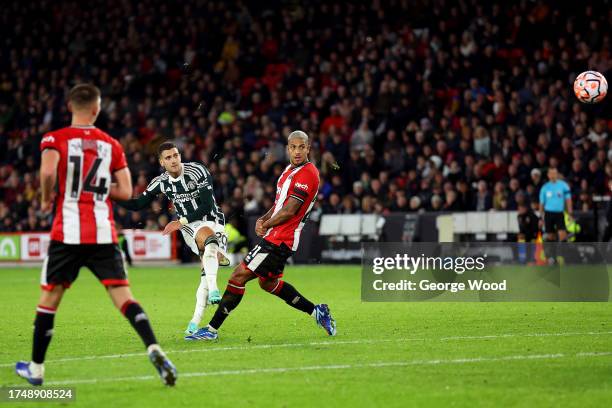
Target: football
[[590, 87]]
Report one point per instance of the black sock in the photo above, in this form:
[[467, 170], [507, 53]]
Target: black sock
[[43, 331], [139, 321], [231, 299], [292, 297]]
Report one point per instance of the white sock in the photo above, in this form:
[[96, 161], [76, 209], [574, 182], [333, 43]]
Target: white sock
[[37, 370], [154, 347], [201, 298], [211, 265]]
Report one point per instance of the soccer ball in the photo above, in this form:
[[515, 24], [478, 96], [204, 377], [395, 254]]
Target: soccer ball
[[590, 87]]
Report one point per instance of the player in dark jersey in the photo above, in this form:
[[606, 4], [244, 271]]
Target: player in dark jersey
[[190, 187], [280, 229], [83, 159]]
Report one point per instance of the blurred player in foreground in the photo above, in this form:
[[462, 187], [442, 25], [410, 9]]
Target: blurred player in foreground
[[82, 160], [280, 228], [190, 188]]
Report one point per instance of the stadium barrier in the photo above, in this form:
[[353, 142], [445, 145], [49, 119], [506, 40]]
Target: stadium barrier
[[32, 246], [338, 237], [331, 238]]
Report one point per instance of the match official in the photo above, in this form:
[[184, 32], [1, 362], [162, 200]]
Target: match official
[[555, 199]]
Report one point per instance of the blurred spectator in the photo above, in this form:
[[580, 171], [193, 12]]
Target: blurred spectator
[[451, 105], [482, 200]]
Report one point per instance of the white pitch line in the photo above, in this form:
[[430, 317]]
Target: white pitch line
[[228, 348], [316, 343], [381, 364], [497, 336]]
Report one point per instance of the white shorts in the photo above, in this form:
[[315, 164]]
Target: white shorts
[[190, 231]]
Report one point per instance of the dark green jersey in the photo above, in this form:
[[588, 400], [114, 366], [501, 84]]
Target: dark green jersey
[[191, 192]]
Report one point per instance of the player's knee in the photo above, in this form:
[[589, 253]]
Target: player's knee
[[211, 246], [240, 274], [210, 249], [265, 284], [53, 297], [270, 285], [202, 235]]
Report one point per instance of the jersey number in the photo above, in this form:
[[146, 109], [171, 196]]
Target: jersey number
[[222, 240], [100, 190]]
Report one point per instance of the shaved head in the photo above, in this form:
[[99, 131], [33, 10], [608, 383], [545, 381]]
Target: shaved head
[[298, 134], [298, 147]]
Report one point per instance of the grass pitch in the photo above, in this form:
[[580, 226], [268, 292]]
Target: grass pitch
[[268, 354]]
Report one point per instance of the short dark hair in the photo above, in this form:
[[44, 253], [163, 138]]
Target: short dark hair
[[165, 146], [83, 95]]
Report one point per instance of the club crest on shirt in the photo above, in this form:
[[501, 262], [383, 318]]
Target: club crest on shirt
[[191, 185]]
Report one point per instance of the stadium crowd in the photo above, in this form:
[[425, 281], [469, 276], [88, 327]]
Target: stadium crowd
[[411, 106]]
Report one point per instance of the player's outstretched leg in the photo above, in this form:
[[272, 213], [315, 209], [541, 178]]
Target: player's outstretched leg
[[33, 371], [201, 299], [122, 298], [293, 298], [231, 299], [210, 263]]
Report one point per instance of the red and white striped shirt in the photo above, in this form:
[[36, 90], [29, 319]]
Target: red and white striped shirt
[[88, 158], [301, 183]]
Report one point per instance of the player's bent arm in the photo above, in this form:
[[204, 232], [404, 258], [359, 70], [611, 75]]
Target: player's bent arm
[[48, 173], [289, 210], [267, 215], [122, 189]]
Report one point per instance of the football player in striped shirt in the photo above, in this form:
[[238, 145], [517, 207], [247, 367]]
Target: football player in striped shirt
[[280, 229], [82, 161], [189, 187]]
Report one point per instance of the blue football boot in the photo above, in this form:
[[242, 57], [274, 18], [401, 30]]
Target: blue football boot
[[165, 368], [324, 319], [203, 334]]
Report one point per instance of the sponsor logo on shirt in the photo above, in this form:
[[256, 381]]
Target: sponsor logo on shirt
[[302, 186], [184, 197], [48, 139]]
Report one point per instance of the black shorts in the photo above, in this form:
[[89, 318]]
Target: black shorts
[[63, 262], [554, 221], [267, 260]]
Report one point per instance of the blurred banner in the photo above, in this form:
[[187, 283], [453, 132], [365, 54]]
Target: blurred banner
[[148, 245], [32, 246], [486, 272], [10, 247]]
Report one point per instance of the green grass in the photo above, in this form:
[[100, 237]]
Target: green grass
[[353, 369]]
